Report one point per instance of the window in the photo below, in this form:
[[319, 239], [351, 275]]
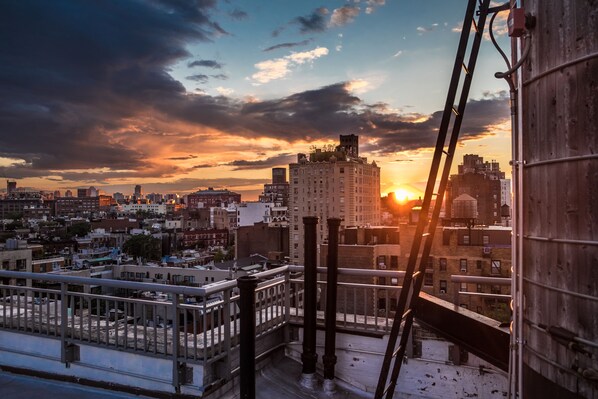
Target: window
[[465, 240], [485, 240], [382, 280], [495, 289], [443, 287], [478, 288], [394, 262], [495, 268], [463, 264], [442, 264], [478, 264], [382, 260], [463, 287], [428, 279]]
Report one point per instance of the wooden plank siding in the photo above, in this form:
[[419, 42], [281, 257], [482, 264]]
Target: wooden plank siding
[[560, 200]]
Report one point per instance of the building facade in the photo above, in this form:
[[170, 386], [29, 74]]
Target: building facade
[[211, 197], [331, 183]]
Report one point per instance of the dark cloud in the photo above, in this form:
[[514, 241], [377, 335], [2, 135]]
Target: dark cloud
[[289, 45], [80, 81], [238, 14], [220, 76], [73, 71], [187, 157], [202, 166], [205, 63], [343, 15], [314, 22], [200, 78], [282, 159]]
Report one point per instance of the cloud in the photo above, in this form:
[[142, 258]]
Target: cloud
[[202, 166], [288, 45], [200, 78], [220, 76], [282, 159], [205, 63], [398, 54], [426, 29], [183, 158], [238, 14], [372, 4], [87, 97], [343, 15], [223, 91], [314, 22], [278, 68]]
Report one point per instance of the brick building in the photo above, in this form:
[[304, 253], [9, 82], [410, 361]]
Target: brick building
[[211, 197], [333, 182]]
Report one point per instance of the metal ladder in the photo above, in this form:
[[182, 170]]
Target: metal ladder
[[412, 283]]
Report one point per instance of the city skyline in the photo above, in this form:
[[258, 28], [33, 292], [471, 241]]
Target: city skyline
[[178, 98]]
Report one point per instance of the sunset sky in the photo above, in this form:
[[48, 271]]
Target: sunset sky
[[182, 95]]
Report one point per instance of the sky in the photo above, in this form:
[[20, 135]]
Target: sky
[[180, 95]]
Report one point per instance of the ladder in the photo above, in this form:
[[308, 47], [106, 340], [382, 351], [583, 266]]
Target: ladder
[[407, 307]]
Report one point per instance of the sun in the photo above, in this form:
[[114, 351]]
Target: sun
[[402, 195]]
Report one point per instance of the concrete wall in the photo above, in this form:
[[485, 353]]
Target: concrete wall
[[97, 364]]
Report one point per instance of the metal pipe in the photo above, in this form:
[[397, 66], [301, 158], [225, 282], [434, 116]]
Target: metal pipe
[[309, 355], [330, 314], [247, 285]]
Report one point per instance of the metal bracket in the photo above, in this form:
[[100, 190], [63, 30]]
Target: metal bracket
[[72, 353]]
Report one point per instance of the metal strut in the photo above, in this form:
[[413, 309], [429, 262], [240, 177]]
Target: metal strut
[[412, 283]]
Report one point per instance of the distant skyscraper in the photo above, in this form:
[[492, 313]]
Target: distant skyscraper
[[57, 194], [277, 192], [10, 186], [138, 193], [332, 184], [68, 193], [82, 193], [92, 192]]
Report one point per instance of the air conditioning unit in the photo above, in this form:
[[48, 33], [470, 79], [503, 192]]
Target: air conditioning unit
[[443, 291], [487, 251]]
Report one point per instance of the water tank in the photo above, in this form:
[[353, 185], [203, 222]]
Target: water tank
[[560, 201], [464, 207]]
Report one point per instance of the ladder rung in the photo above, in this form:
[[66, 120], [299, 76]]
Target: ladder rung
[[386, 389], [465, 68], [475, 26], [407, 313], [445, 152], [455, 111], [425, 234], [394, 354], [417, 273]]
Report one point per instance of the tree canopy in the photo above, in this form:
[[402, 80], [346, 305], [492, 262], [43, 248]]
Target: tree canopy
[[146, 247]]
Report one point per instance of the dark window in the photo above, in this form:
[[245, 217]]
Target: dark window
[[463, 264], [429, 279], [443, 286], [478, 264], [442, 264], [394, 262]]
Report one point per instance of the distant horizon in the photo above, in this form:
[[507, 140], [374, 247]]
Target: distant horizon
[[92, 96]]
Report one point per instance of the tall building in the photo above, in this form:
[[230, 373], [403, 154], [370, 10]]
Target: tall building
[[332, 183], [482, 182], [10, 186], [277, 191], [68, 193], [138, 193]]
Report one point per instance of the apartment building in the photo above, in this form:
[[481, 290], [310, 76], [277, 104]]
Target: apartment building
[[332, 182]]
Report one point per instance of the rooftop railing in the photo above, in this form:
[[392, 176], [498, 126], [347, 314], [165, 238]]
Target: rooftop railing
[[183, 324]]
